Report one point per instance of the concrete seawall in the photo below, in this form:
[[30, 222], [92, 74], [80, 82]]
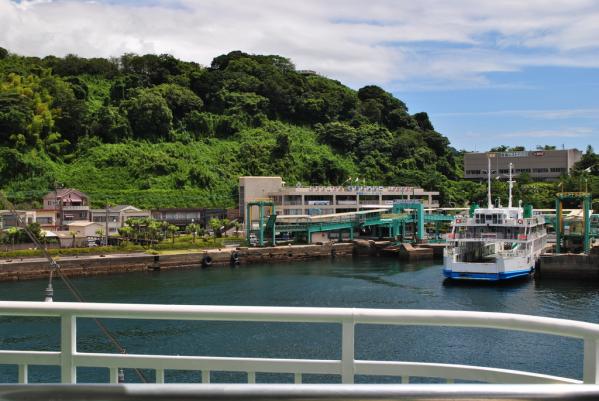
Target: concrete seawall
[[90, 265], [569, 266]]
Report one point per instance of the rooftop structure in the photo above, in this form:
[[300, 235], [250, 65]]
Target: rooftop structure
[[545, 165], [317, 200]]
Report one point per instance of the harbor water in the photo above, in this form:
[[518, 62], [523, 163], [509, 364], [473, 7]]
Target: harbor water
[[344, 282]]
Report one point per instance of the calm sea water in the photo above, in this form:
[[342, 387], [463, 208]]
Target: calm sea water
[[360, 282]]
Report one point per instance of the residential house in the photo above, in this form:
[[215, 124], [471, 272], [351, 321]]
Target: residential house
[[68, 204]]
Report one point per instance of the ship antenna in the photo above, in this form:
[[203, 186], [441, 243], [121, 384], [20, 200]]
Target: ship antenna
[[511, 184], [489, 200]]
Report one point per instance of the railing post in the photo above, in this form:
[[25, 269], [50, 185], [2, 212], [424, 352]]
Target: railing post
[[160, 376], [590, 373], [23, 376], [114, 375], [347, 352], [68, 348]]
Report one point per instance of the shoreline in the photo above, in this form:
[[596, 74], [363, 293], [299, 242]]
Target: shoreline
[[90, 265]]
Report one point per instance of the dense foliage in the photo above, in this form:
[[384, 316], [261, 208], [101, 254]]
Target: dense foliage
[[155, 131]]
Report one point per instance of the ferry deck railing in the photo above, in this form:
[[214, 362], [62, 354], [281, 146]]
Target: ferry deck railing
[[68, 358], [495, 236]]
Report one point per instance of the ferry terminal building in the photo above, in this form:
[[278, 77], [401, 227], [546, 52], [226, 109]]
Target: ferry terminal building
[[318, 200]]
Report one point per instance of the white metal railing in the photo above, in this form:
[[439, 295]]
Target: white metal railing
[[492, 237], [69, 359], [509, 222], [291, 392]]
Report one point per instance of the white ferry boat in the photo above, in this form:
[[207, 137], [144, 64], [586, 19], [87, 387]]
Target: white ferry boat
[[495, 243]]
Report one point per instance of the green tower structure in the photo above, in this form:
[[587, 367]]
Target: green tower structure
[[584, 198], [263, 226]]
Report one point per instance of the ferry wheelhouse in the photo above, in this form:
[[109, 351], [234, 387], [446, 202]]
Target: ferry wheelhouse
[[495, 243]]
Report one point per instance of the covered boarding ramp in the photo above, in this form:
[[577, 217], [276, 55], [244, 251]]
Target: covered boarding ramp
[[390, 218], [309, 225]]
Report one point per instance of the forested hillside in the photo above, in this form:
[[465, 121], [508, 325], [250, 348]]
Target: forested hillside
[[155, 131]]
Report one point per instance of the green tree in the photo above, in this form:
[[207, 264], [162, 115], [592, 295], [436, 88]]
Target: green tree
[[110, 125], [149, 115], [340, 136], [180, 100]]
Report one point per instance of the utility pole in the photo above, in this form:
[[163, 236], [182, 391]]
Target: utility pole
[[107, 208], [489, 200]]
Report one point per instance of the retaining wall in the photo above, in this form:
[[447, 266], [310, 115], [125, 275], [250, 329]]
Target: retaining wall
[[90, 265], [570, 266]]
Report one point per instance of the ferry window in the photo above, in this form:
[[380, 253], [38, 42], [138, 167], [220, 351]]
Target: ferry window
[[494, 219]]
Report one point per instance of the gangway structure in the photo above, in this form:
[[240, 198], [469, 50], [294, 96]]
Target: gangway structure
[[263, 227], [386, 220], [585, 234]]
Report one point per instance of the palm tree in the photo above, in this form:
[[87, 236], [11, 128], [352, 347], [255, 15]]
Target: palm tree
[[165, 225], [126, 232], [193, 229], [73, 234], [238, 226], [172, 229], [12, 232], [225, 223], [215, 224]]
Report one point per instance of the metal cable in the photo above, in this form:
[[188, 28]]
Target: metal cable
[[70, 286]]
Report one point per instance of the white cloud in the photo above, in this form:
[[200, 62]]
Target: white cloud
[[434, 42]]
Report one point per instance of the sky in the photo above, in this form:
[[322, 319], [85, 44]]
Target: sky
[[488, 73]]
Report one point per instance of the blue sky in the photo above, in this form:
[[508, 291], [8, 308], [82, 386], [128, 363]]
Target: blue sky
[[545, 106], [487, 72]]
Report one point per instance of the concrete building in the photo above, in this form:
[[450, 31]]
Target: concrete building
[[182, 217], [10, 219], [316, 200], [83, 228], [68, 204], [542, 165], [46, 218], [117, 216]]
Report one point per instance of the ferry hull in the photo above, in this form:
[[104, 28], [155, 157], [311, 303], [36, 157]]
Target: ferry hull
[[500, 276], [501, 270]]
